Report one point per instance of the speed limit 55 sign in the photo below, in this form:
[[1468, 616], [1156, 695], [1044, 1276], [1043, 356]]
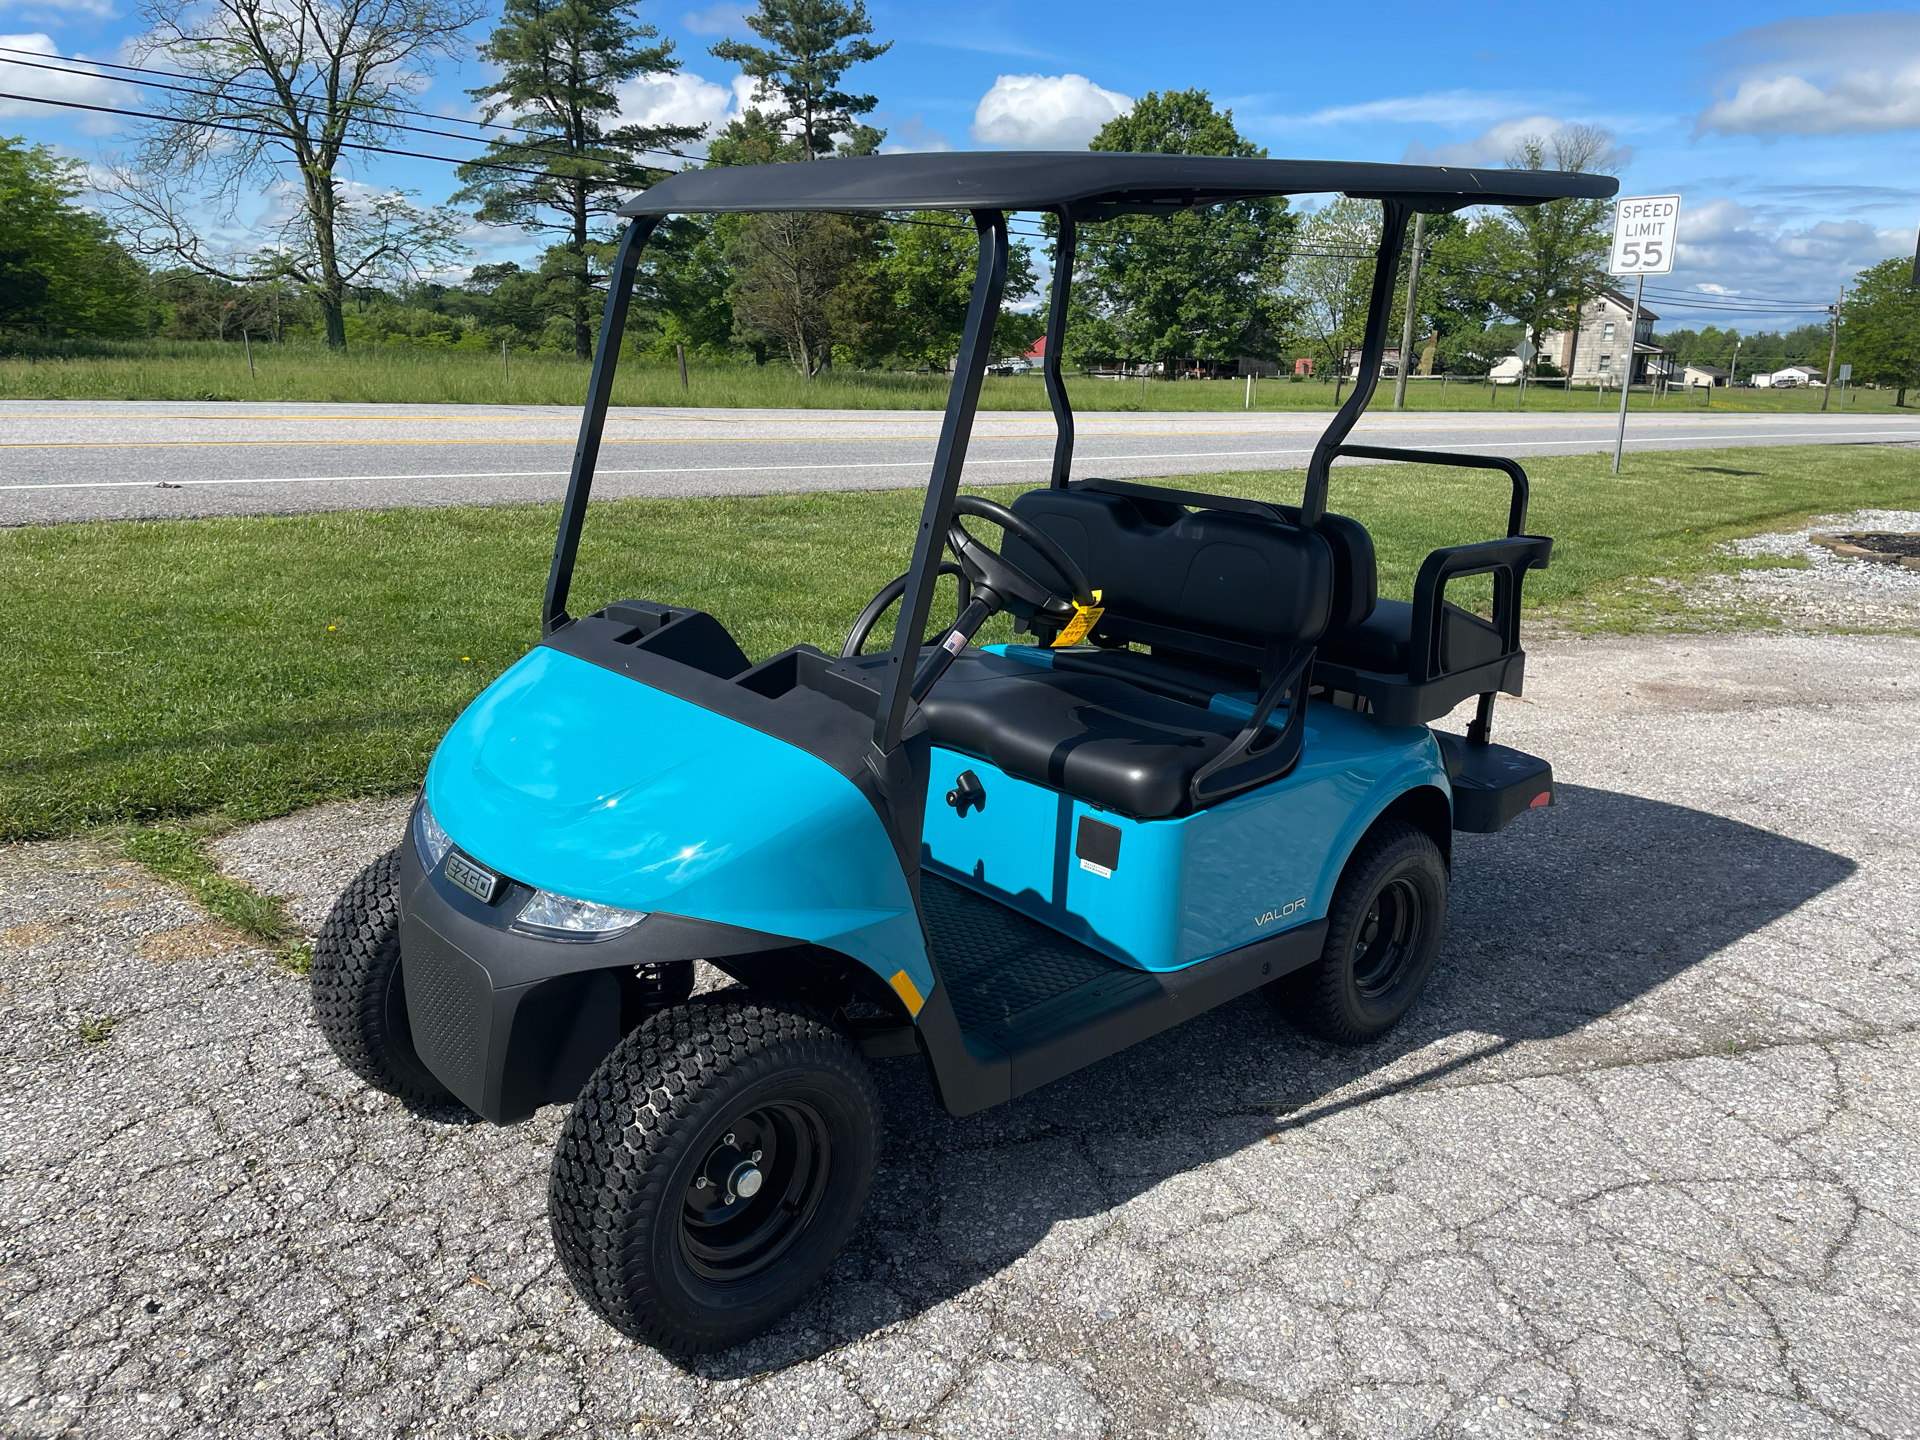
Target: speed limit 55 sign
[[1643, 235]]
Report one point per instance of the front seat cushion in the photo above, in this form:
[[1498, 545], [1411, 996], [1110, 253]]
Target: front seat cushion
[[1091, 736]]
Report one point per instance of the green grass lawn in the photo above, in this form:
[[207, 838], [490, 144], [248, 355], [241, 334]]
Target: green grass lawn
[[252, 666], [374, 374]]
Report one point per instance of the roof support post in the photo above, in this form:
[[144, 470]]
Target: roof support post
[[949, 458], [1063, 254], [1386, 270], [593, 420]]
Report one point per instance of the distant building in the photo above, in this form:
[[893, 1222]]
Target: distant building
[[1791, 376], [1389, 361], [1608, 344], [1707, 375]]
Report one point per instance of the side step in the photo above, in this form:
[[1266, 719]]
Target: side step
[[1032, 1005], [1492, 783]]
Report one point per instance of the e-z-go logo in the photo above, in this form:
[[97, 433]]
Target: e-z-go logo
[[1282, 913]]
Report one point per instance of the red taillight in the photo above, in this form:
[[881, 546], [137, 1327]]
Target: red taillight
[[1545, 797]]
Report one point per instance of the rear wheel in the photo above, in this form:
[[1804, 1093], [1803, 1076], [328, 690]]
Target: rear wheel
[[1383, 933], [359, 1000], [712, 1169]]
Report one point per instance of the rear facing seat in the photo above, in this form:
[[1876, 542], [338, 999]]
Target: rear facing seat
[[1407, 662]]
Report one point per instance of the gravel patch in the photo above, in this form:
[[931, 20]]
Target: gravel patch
[[1831, 592], [1646, 1161]]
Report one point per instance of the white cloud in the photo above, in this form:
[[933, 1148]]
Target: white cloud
[[1837, 75], [682, 98], [1727, 248], [1491, 147], [90, 88], [1498, 141], [1857, 103], [1045, 112]]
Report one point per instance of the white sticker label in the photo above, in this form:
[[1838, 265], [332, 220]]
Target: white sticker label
[[1102, 871], [954, 643]]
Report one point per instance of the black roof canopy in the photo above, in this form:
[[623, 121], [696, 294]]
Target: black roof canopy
[[1092, 183]]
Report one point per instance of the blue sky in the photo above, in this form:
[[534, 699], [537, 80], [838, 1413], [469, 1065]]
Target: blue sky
[[1793, 136]]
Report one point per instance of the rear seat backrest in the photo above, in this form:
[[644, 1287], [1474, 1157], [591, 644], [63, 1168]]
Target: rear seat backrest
[[1356, 575], [1214, 573]]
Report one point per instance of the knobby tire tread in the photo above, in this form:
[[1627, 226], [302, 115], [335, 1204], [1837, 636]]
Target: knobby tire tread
[[353, 963], [606, 1190]]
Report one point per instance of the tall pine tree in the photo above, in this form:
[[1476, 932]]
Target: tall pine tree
[[810, 45], [560, 61]]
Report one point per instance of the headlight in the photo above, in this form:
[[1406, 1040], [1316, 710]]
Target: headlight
[[582, 918], [428, 838]]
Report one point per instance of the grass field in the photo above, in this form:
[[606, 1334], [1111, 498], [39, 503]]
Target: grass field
[[255, 665], [205, 370]]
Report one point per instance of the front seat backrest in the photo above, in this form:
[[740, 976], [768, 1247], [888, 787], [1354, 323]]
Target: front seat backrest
[[1213, 573]]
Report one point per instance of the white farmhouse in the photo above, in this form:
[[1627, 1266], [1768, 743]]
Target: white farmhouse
[[1606, 345]]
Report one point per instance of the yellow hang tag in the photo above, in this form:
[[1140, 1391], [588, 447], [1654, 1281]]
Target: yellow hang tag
[[1085, 617]]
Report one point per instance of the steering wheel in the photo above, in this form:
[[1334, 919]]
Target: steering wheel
[[1004, 585], [989, 583], [888, 593]]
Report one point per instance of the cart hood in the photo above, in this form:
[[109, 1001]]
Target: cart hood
[[590, 784]]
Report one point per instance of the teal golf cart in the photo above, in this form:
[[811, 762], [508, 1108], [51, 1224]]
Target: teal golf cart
[[1205, 766]]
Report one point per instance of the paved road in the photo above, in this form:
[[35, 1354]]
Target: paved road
[[90, 460], [1645, 1162]]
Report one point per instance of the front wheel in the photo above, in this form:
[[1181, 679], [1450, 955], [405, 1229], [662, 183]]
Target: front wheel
[[1383, 934], [359, 997], [712, 1169]]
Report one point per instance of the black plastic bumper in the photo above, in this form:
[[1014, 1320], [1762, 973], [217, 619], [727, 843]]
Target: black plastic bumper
[[509, 1021]]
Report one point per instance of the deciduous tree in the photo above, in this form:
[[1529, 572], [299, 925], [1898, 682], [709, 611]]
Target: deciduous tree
[[1551, 259], [1880, 327], [282, 89], [927, 279], [1193, 283], [61, 273]]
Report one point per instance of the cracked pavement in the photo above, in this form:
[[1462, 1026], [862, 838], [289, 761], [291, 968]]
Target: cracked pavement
[[1642, 1164]]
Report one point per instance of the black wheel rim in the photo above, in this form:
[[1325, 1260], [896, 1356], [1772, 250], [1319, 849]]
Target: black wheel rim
[[1387, 938], [754, 1192]]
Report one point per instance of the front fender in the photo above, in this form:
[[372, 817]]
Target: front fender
[[573, 779]]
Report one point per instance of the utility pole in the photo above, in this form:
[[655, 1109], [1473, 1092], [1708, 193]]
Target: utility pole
[[1833, 347], [680, 354], [1413, 308]]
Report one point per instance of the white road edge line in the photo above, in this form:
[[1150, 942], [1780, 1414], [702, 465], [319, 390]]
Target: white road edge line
[[869, 465]]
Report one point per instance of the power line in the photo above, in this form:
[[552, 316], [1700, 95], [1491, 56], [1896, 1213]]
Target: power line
[[39, 56], [205, 95], [267, 134]]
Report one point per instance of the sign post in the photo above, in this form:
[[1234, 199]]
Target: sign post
[[1644, 232]]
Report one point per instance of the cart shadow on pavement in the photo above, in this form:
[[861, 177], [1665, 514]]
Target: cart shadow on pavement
[[1565, 918]]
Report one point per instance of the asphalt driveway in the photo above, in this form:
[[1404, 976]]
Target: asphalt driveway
[[1646, 1162]]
